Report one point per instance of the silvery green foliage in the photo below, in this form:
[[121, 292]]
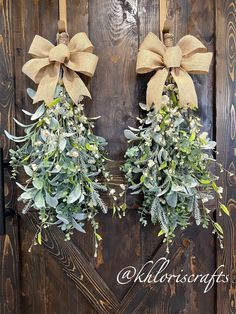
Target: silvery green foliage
[[63, 159], [168, 161]]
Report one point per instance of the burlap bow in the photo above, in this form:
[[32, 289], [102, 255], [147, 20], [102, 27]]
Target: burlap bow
[[44, 68], [188, 56]]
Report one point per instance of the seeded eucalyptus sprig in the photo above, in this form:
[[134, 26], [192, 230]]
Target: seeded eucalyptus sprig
[[169, 162], [65, 163]]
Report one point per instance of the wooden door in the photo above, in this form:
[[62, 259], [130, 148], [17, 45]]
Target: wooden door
[[63, 277]]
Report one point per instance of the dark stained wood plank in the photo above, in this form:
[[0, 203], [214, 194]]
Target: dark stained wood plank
[[116, 91], [78, 9], [225, 123], [32, 273], [6, 72], [196, 18], [56, 286], [137, 296], [115, 37], [26, 26], [76, 25], [77, 268], [9, 269], [148, 15], [9, 261], [77, 303]]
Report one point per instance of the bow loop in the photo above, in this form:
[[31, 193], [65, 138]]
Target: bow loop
[[40, 47], [189, 55], [80, 42], [44, 68]]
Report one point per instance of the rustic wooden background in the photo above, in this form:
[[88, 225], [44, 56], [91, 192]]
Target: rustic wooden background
[[48, 280]]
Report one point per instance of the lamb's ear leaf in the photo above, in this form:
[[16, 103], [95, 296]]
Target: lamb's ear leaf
[[38, 113], [17, 139], [39, 200], [27, 112], [171, 199], [130, 135], [143, 106], [74, 194], [23, 125], [51, 201], [28, 170], [77, 226], [31, 93]]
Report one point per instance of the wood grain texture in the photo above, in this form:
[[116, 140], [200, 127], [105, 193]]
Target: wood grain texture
[[114, 34], [9, 252], [9, 269], [113, 28], [225, 106], [6, 72], [187, 18], [63, 277], [78, 269]]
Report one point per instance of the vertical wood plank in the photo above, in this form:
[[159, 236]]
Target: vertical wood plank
[[195, 18], [226, 143], [76, 301], [114, 34], [32, 273], [26, 26], [9, 253], [113, 30]]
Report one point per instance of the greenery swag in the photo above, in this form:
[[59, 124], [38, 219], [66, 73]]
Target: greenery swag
[[63, 159], [169, 161]]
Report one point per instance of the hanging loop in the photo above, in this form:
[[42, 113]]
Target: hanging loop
[[62, 23], [165, 24]]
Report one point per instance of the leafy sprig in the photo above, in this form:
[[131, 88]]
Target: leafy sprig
[[168, 161], [65, 162]]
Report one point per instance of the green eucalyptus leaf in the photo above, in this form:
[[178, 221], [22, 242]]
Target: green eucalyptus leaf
[[17, 139]]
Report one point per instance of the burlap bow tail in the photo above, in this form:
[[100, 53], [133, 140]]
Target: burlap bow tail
[[44, 68], [188, 56]]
